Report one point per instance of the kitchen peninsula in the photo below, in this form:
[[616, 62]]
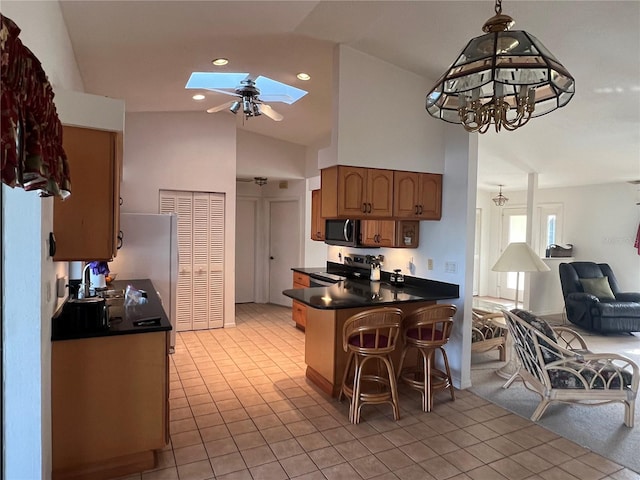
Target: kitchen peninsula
[[110, 387], [329, 306]]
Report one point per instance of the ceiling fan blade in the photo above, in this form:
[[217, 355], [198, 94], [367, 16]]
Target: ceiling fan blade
[[220, 107], [213, 80], [278, 91], [270, 112]]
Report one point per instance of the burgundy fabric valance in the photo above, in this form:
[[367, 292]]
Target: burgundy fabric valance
[[31, 153]]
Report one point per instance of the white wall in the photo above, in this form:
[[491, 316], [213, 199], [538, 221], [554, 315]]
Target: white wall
[[183, 151], [28, 298], [260, 156], [381, 121]]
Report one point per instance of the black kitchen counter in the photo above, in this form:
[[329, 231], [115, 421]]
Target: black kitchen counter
[[364, 293], [309, 270], [123, 320]]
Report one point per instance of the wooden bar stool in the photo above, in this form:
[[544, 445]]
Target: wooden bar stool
[[366, 336], [427, 329]]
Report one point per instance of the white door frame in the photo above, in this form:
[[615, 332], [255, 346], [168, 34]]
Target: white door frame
[[507, 280], [256, 220]]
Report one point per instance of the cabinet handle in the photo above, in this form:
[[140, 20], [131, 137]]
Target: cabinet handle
[[364, 208], [120, 240], [369, 211], [420, 210], [417, 208]]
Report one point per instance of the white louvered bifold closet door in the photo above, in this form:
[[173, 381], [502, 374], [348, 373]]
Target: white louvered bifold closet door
[[199, 303], [216, 260]]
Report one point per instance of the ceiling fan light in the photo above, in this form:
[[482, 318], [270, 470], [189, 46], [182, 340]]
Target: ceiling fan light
[[235, 106], [246, 106], [256, 110]]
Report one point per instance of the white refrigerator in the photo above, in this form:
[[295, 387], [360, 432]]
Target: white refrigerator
[[150, 250]]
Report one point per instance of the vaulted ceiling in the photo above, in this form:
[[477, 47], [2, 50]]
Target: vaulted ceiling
[[144, 51]]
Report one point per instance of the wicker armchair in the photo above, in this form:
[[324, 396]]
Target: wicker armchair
[[487, 335], [556, 364]]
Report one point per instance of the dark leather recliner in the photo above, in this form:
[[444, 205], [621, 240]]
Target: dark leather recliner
[[621, 314]]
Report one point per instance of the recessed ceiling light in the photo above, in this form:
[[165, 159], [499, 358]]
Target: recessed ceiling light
[[220, 61], [198, 96], [303, 76]]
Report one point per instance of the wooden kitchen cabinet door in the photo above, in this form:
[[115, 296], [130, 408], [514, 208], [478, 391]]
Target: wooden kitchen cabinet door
[[378, 233], [357, 192], [317, 220], [379, 193], [86, 224], [417, 195]]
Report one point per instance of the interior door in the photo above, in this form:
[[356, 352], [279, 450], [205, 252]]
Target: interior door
[[514, 229], [245, 249], [284, 248]]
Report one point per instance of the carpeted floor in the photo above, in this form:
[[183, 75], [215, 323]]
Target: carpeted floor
[[599, 428]]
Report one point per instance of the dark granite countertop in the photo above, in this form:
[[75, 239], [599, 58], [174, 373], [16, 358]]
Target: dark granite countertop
[[364, 293], [308, 270], [122, 320]]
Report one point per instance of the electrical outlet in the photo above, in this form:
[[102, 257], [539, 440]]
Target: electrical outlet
[[430, 264], [450, 267]]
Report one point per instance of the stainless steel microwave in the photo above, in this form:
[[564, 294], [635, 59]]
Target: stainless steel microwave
[[342, 232]]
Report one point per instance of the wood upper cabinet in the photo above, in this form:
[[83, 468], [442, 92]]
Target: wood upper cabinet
[[357, 192], [317, 220], [390, 233], [86, 224], [417, 195]]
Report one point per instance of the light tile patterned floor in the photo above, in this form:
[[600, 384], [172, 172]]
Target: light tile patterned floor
[[241, 408]]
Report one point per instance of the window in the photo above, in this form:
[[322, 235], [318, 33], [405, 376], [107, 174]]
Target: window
[[550, 226]]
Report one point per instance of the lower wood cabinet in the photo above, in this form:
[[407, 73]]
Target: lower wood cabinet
[[299, 310], [109, 404], [390, 233]]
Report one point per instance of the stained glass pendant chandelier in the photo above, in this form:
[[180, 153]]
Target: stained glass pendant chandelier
[[503, 78]]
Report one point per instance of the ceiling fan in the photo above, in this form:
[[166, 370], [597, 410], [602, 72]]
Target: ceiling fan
[[251, 93]]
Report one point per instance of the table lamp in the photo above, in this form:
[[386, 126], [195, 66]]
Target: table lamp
[[519, 257]]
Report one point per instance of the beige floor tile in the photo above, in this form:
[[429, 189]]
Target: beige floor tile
[[413, 472], [298, 465], [258, 456], [394, 459], [216, 432], [511, 469], [249, 440], [286, 448], [223, 446], [243, 426], [209, 420], [224, 464], [326, 457], [236, 415], [463, 460], [163, 474], [440, 468], [196, 471], [190, 454], [486, 473], [269, 471], [352, 450], [312, 441], [600, 463], [184, 425], [341, 471], [185, 439], [180, 413], [582, 470], [369, 466]]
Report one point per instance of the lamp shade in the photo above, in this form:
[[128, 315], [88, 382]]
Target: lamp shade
[[519, 257]]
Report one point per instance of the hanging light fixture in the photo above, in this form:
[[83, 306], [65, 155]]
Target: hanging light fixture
[[503, 78], [261, 181], [500, 199]]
